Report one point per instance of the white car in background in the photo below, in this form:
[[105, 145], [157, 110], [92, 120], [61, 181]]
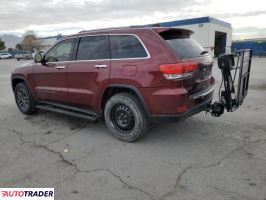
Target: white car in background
[[5, 56], [23, 55]]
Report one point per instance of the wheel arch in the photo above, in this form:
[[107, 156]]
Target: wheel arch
[[16, 80], [119, 88]]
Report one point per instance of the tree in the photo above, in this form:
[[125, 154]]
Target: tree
[[10, 50], [2, 45], [19, 47], [30, 42]]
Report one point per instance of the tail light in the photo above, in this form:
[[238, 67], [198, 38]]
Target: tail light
[[178, 70]]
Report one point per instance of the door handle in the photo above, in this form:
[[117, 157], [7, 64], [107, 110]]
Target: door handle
[[100, 66], [60, 67]]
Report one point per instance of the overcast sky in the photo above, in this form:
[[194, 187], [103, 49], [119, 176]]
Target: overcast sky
[[51, 17]]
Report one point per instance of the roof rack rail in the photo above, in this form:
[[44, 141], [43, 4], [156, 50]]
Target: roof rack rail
[[122, 27], [103, 29], [146, 26], [139, 26]]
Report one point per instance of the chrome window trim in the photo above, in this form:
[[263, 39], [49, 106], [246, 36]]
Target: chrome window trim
[[111, 59], [143, 45]]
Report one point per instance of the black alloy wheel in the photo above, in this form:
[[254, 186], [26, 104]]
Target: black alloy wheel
[[22, 99]]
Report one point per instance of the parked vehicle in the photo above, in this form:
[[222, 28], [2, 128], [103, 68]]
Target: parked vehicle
[[5, 56], [128, 76], [23, 55]]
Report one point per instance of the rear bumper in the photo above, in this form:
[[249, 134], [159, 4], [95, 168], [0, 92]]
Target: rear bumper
[[177, 102], [192, 111]]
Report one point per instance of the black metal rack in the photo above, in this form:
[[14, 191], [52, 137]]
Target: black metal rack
[[233, 89]]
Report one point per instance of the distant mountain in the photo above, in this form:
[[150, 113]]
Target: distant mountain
[[10, 40]]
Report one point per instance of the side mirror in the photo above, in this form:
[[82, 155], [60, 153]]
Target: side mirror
[[38, 58]]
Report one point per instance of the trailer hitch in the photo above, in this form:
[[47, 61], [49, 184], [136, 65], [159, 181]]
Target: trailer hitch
[[233, 89]]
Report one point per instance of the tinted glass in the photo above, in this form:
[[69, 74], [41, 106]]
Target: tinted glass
[[126, 46], [60, 52], [183, 45], [93, 48]]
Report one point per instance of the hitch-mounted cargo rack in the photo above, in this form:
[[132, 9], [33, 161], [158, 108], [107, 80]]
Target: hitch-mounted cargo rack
[[233, 89]]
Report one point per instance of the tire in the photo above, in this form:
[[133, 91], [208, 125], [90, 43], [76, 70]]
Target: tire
[[24, 99], [18, 59], [125, 117]]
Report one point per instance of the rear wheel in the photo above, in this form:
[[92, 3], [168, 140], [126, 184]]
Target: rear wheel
[[125, 117], [24, 99]]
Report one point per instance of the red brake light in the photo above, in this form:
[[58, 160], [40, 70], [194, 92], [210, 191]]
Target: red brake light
[[178, 70], [188, 67], [171, 68]]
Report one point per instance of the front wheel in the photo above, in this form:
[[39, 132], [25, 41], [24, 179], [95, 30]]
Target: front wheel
[[125, 117], [24, 99]]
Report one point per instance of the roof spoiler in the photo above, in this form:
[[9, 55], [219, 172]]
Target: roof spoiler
[[181, 31]]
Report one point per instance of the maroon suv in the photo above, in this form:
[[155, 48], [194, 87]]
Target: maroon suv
[[128, 76]]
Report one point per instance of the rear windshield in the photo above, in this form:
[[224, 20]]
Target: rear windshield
[[184, 46]]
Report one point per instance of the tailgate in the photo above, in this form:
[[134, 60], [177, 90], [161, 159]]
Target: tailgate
[[188, 50], [202, 77]]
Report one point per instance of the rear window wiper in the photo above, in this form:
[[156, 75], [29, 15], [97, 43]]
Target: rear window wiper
[[204, 52]]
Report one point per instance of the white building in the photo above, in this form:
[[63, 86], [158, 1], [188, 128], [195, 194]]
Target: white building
[[213, 34]]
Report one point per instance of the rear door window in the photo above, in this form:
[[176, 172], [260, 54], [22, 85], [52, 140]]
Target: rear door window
[[126, 46], [93, 48], [184, 46]]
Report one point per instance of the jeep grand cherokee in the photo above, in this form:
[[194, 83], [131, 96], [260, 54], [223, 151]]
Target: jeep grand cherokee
[[128, 76]]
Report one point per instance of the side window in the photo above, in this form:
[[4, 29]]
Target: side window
[[60, 52], [93, 48], [126, 46]]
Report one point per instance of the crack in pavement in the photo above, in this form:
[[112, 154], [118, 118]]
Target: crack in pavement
[[45, 146], [177, 183], [82, 125], [197, 166], [20, 135], [121, 180], [69, 163], [75, 166], [168, 194]]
